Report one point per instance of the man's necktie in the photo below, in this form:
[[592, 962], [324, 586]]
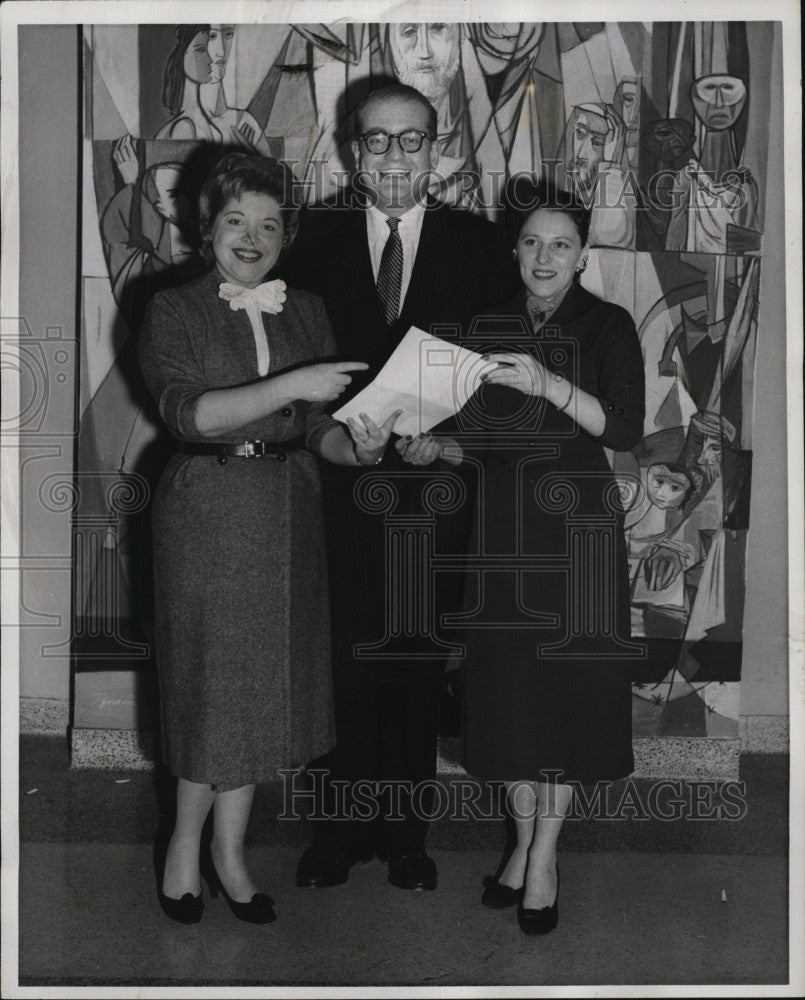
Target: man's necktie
[[389, 274]]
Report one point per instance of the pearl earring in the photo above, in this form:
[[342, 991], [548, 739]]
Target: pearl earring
[[581, 267], [514, 254]]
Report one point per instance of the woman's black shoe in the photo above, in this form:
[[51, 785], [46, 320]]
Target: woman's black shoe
[[259, 909], [540, 921], [187, 910], [498, 896]]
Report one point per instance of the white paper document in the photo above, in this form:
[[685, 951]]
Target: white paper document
[[428, 378]]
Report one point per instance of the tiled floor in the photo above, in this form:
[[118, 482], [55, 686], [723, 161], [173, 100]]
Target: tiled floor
[[642, 902]]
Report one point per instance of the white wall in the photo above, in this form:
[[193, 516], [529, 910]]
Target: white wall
[[764, 675], [48, 289]]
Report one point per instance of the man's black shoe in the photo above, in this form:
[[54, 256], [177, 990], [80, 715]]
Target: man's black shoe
[[412, 870], [321, 867]]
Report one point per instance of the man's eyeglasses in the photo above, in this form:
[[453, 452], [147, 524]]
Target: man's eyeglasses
[[378, 142]]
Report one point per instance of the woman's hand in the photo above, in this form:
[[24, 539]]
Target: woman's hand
[[369, 440], [322, 383], [420, 450], [519, 371]]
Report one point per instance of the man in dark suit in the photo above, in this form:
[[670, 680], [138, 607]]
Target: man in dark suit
[[387, 260]]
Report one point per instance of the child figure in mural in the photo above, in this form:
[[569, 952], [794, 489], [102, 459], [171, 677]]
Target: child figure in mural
[[193, 90], [674, 534], [656, 557]]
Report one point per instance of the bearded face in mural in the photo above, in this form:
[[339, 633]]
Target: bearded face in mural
[[594, 135], [426, 57]]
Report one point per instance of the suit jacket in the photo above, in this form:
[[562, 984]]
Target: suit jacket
[[463, 265]]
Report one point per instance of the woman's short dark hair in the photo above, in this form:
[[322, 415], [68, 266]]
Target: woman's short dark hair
[[524, 195], [239, 173], [173, 77]]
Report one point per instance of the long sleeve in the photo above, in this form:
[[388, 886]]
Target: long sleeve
[[172, 367], [317, 420], [621, 381]]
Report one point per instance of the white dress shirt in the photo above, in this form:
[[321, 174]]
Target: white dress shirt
[[409, 229]]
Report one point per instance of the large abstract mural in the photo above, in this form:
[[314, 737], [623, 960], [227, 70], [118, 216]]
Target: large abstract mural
[[663, 126]]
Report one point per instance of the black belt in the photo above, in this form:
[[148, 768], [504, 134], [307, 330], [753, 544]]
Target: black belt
[[247, 449]]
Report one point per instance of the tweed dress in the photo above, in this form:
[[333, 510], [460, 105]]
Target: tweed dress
[[242, 619]]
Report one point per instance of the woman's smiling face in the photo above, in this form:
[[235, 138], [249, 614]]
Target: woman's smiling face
[[549, 252], [247, 238]]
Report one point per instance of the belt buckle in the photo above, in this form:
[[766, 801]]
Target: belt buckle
[[251, 448]]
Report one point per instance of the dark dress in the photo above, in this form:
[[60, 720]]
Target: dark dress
[[546, 679], [242, 621]]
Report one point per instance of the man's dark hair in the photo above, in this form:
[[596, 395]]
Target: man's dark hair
[[387, 93]]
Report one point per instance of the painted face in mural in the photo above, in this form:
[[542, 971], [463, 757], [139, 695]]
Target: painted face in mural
[[667, 488], [588, 138], [396, 179], [627, 102], [425, 56], [497, 43], [247, 238], [669, 139], [219, 47], [710, 459], [549, 252], [169, 200], [197, 62], [718, 101]]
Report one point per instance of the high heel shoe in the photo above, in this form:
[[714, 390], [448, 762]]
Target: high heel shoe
[[498, 896], [187, 910], [259, 909], [543, 920]]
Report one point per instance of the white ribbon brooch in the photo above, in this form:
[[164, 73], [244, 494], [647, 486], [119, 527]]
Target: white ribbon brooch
[[267, 297]]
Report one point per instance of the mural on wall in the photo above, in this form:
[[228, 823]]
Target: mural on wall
[[663, 127]]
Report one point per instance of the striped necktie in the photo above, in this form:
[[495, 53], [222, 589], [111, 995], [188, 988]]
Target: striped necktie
[[389, 274]]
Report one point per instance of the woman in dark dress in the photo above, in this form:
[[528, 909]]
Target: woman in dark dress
[[547, 698], [236, 366]]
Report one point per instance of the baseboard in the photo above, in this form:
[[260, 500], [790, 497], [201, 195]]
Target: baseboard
[[44, 716], [668, 757], [671, 757], [764, 733], [114, 749]]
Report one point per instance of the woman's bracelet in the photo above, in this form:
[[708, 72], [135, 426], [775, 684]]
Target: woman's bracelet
[[566, 403]]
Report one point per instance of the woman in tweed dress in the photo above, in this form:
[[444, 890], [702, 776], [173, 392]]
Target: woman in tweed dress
[[240, 584]]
